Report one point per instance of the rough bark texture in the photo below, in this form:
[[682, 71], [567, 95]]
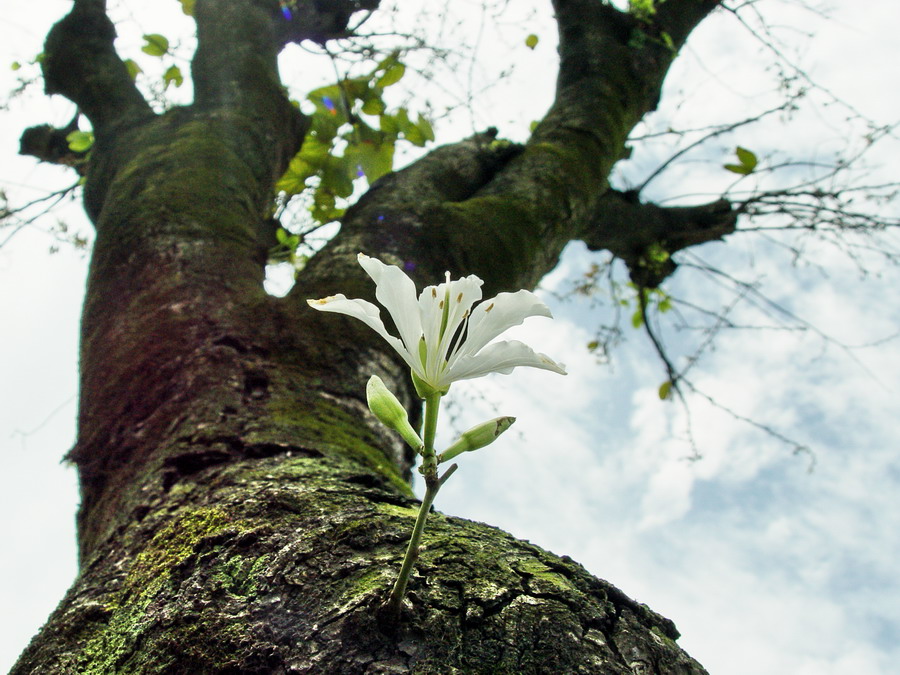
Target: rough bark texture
[[242, 511]]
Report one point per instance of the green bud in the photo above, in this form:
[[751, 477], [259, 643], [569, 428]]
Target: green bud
[[385, 406], [477, 437]]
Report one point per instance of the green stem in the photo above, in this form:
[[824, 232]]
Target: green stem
[[432, 406], [432, 485], [412, 552]]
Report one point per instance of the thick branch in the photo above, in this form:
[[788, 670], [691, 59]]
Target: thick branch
[[236, 52], [319, 20], [50, 144], [542, 198], [81, 63], [391, 218], [628, 228]]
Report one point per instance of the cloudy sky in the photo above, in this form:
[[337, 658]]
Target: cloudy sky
[[765, 565]]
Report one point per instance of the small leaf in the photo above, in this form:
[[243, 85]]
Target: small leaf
[[294, 179], [747, 161], [157, 45], [388, 124], [737, 168], [391, 76], [173, 76], [387, 62], [187, 6], [80, 141], [637, 319], [668, 41], [665, 390], [15, 65], [746, 157], [373, 106], [531, 41], [425, 127], [133, 69]]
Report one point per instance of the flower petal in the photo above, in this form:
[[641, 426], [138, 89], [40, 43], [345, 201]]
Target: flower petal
[[498, 314], [397, 293], [459, 296], [500, 357], [366, 312]]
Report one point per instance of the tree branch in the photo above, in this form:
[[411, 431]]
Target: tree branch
[[628, 228], [393, 215], [319, 20], [81, 63], [50, 144], [233, 76]]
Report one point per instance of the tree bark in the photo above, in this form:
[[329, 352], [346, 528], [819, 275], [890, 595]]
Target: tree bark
[[242, 511]]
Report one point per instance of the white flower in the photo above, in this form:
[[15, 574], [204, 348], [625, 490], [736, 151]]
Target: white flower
[[442, 338]]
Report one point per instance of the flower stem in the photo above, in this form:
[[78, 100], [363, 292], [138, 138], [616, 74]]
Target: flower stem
[[412, 552], [432, 485], [432, 406]]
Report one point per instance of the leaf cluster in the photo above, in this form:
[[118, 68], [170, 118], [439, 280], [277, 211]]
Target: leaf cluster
[[352, 135]]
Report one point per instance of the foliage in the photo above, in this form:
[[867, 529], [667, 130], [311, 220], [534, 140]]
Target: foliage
[[353, 134]]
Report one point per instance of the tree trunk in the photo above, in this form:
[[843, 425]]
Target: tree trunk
[[242, 511]]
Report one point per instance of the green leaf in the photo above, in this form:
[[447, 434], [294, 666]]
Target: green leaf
[[665, 390], [305, 164], [374, 160], [418, 132], [187, 6], [173, 76], [293, 181], [656, 253], [373, 105], [80, 141], [387, 62], [642, 9], [391, 76], [425, 127], [356, 87], [747, 159], [531, 41], [668, 41], [388, 124], [15, 65], [133, 69], [157, 45], [637, 319], [323, 209], [337, 176], [329, 102]]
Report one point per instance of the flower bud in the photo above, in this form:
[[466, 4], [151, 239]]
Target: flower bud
[[385, 406], [477, 437]]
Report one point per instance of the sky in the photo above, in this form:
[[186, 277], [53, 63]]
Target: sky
[[767, 560]]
